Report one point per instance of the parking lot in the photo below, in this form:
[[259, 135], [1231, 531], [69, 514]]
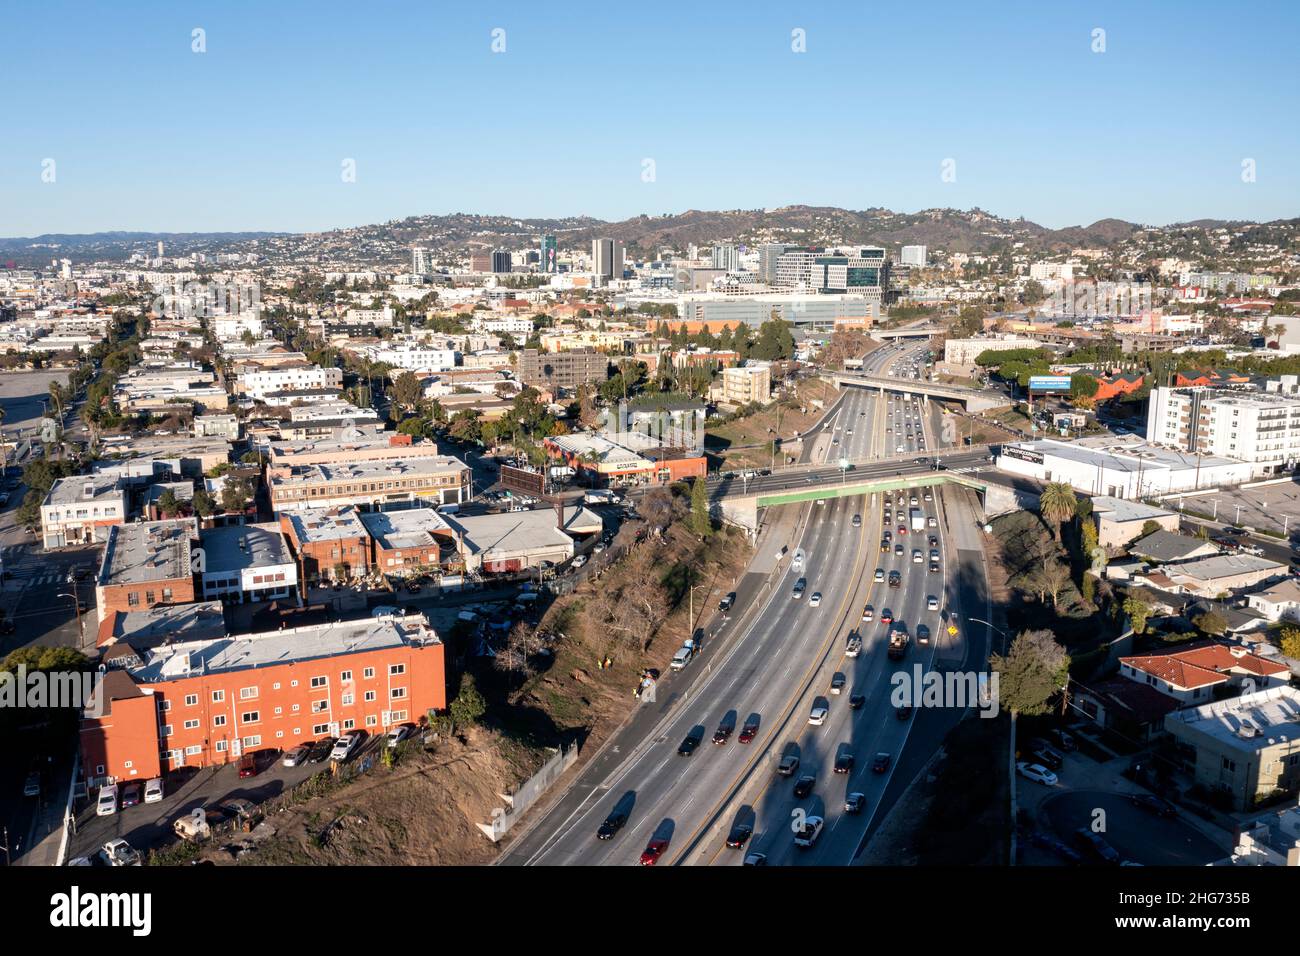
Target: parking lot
[[1272, 507]]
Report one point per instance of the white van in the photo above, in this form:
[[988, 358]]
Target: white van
[[683, 656], [153, 790], [106, 805]]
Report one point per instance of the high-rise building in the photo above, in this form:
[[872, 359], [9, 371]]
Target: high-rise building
[[548, 262], [500, 261], [607, 259], [480, 262], [913, 256], [420, 264], [160, 248], [1262, 428], [726, 256], [768, 253]]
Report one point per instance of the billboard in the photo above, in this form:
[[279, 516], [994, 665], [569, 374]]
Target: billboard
[[523, 480], [1049, 383]]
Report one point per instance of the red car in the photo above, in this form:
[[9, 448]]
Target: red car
[[902, 529], [886, 617], [247, 766], [748, 733], [654, 849]]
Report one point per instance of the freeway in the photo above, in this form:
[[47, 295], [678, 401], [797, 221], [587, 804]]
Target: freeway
[[783, 656]]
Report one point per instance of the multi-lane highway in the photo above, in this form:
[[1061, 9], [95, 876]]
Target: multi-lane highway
[[770, 677]]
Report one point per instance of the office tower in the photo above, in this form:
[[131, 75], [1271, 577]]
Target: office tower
[[768, 253], [913, 256], [480, 262], [160, 248], [500, 261], [547, 262], [726, 257], [607, 259], [420, 264]]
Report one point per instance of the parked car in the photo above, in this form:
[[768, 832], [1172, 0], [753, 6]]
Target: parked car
[[1154, 805], [153, 790], [132, 794], [1047, 757], [1036, 773], [120, 853], [106, 802], [320, 750], [579, 560], [345, 747], [297, 756], [1095, 846], [399, 733]]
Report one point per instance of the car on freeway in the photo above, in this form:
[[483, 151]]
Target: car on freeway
[[807, 835], [611, 825], [868, 612], [756, 859], [934, 554], [855, 802], [932, 522], [934, 540], [880, 763], [32, 784], [895, 579], [853, 645], [803, 787], [691, 741], [922, 634], [817, 716], [879, 575], [797, 561], [934, 567], [857, 701], [297, 756], [886, 616], [788, 765], [748, 732], [902, 530], [728, 602], [917, 556], [1036, 773], [898, 550], [857, 521], [884, 546], [345, 746], [132, 794], [739, 835], [1154, 805], [844, 762], [838, 681], [723, 733], [931, 603], [815, 600], [653, 851], [797, 591]]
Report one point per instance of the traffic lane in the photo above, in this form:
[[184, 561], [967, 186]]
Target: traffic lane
[[660, 781], [31, 595], [652, 774], [1135, 834]]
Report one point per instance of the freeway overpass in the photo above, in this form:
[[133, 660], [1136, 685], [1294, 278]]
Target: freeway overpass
[[906, 332], [974, 399], [738, 500]]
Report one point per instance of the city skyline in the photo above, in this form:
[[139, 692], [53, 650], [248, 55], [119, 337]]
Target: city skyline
[[251, 124]]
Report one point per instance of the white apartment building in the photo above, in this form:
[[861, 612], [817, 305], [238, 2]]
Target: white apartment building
[[746, 383], [913, 256], [408, 355], [1044, 271], [382, 316], [508, 324], [1260, 428], [227, 328], [81, 509], [965, 351], [260, 383]]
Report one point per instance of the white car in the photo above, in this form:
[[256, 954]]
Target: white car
[[815, 599], [579, 560], [809, 832], [344, 747], [153, 790], [932, 603], [120, 853], [917, 557], [797, 561], [600, 546], [399, 733], [106, 803], [818, 715], [1037, 773]]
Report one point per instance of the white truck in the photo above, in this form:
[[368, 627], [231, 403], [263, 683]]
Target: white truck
[[917, 518], [683, 655], [600, 497], [808, 833]]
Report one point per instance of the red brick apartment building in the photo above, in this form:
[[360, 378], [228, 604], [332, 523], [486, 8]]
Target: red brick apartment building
[[329, 544], [205, 703], [146, 565]]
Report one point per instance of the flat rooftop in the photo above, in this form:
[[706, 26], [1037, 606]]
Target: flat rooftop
[[1116, 454], [289, 646], [148, 551], [516, 531], [326, 524], [606, 452], [405, 527], [1121, 509], [69, 491], [241, 546], [366, 470], [1249, 722], [1224, 565], [200, 621]]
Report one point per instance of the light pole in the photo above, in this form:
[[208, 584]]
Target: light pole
[[76, 606], [690, 623], [1003, 634], [1237, 520]]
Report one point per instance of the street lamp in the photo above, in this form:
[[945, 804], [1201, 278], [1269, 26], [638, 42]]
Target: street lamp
[[1003, 634], [76, 606]]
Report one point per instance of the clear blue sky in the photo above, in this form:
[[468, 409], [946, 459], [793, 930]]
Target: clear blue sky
[[148, 135]]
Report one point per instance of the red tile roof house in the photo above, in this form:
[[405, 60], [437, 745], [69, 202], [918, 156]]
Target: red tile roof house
[[1192, 676]]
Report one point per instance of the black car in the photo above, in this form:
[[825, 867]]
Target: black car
[[1153, 804], [881, 763], [722, 734], [320, 750], [844, 762], [857, 701], [1048, 757], [855, 802], [1095, 847], [739, 835], [726, 603], [613, 823], [691, 742], [803, 787]]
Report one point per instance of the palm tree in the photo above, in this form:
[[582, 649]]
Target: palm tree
[[1057, 504]]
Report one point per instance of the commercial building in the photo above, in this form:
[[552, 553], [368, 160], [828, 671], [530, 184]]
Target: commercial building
[[913, 256], [244, 563], [1120, 466], [261, 384], [81, 510], [330, 544], [633, 459], [516, 541], [370, 484], [567, 370], [607, 259], [1246, 747], [145, 565], [205, 703], [806, 311], [1119, 521], [547, 260], [965, 351], [410, 541], [1262, 428]]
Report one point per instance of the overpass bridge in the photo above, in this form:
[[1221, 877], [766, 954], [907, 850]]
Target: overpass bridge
[[906, 332], [974, 399]]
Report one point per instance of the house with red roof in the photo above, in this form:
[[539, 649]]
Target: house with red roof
[[1194, 676]]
